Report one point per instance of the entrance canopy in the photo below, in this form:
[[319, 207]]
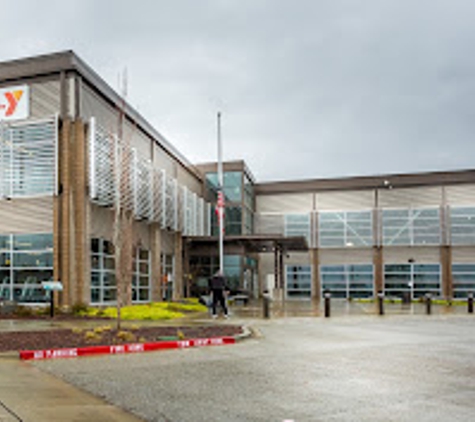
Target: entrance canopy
[[253, 243]]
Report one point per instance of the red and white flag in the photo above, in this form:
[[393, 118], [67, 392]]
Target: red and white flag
[[220, 207]]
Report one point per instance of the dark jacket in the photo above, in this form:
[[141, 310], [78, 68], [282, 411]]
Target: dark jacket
[[217, 282]]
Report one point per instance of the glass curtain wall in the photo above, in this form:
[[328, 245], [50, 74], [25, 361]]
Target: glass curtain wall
[[462, 225], [345, 229], [103, 282], [411, 227], [463, 279], [298, 281], [168, 275], [203, 268], [233, 192], [347, 281], [297, 225], [414, 280], [26, 261], [141, 277]]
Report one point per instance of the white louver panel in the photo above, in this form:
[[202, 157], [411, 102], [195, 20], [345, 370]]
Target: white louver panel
[[28, 158], [156, 195], [180, 215], [184, 202], [102, 152], [170, 203], [201, 217], [143, 188], [118, 171], [195, 214]]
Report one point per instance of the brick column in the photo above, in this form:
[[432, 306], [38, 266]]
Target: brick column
[[62, 214], [70, 213], [316, 286], [446, 271], [378, 269], [80, 244]]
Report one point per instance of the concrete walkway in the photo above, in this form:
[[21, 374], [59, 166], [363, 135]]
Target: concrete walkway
[[30, 395]]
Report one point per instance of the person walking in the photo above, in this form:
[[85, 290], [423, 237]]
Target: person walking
[[218, 288]]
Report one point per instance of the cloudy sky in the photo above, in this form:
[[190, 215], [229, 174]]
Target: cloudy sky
[[307, 88]]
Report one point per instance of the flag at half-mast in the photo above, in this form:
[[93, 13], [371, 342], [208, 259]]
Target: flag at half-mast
[[220, 207]]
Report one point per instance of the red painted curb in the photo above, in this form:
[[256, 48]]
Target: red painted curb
[[123, 348]]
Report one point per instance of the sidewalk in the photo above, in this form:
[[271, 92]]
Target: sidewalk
[[30, 395]]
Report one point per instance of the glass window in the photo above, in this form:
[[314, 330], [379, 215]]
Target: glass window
[[462, 225], [32, 242], [347, 281], [345, 229], [249, 201], [413, 279], [141, 291], [232, 185], [298, 225], [103, 281], [463, 276], [27, 261], [298, 281], [411, 227], [232, 221]]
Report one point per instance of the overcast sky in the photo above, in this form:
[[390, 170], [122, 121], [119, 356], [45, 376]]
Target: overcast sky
[[307, 88]]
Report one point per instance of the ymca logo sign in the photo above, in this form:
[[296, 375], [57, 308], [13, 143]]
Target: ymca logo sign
[[14, 103]]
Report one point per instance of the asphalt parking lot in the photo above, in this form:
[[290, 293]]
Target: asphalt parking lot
[[362, 368]]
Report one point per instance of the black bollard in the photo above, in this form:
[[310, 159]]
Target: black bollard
[[470, 303], [381, 303], [327, 296], [428, 303], [51, 309], [266, 305]]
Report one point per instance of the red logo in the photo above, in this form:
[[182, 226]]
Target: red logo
[[13, 97]]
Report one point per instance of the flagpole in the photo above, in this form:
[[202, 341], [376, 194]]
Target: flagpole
[[220, 204]]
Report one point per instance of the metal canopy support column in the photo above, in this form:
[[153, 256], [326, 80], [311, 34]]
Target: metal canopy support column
[[281, 275], [276, 268]]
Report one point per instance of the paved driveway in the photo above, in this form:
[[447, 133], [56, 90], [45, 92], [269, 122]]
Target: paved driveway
[[362, 368]]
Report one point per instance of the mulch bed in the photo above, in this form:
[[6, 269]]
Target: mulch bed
[[66, 338]]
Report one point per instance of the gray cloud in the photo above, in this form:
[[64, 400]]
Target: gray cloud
[[308, 88]]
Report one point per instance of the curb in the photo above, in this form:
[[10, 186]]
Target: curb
[[132, 347], [123, 348]]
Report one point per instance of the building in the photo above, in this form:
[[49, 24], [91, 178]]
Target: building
[[63, 131]]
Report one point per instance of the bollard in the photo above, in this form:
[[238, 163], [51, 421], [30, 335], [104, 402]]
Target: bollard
[[428, 303], [51, 309], [266, 304], [327, 296], [381, 303], [470, 303]]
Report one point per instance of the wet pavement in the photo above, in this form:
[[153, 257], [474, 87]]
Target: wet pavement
[[355, 366], [342, 308]]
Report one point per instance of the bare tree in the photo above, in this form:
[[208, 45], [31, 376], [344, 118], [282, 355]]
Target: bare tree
[[123, 212]]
